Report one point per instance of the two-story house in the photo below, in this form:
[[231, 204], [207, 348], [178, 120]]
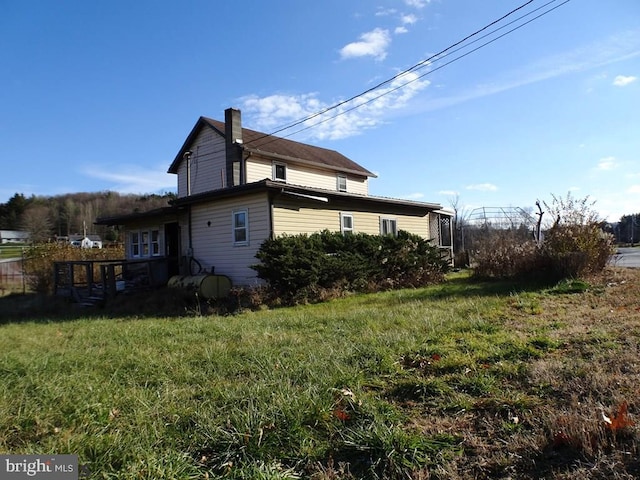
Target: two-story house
[[238, 187]]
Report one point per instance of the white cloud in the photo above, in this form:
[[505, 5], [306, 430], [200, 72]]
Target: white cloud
[[413, 196], [133, 179], [621, 47], [383, 12], [623, 81], [408, 19], [352, 118], [448, 192], [483, 187], [417, 3], [373, 43], [607, 163], [633, 189]]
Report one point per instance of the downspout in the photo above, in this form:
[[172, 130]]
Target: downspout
[[190, 247], [187, 158], [271, 224]]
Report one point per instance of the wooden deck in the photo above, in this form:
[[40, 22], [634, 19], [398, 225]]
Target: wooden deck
[[93, 282]]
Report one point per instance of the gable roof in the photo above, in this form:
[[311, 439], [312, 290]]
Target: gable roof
[[276, 148]]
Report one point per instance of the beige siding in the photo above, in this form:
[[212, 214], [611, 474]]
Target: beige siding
[[293, 220], [211, 227], [207, 164], [304, 220], [259, 168], [358, 185]]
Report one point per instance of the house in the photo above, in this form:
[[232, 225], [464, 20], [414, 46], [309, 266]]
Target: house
[[238, 187], [85, 241], [13, 236]]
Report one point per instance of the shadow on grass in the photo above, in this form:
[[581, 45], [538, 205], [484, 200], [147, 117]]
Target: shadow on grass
[[464, 285], [469, 286], [40, 308], [170, 303]]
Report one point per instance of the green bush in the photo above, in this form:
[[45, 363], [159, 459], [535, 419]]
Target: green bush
[[303, 268]]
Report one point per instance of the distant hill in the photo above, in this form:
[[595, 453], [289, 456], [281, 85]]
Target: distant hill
[[68, 214]]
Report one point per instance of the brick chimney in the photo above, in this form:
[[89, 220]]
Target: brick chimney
[[233, 145]]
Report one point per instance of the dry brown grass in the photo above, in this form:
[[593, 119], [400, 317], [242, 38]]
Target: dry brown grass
[[560, 430]]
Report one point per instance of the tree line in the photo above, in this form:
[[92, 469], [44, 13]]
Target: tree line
[[48, 217]]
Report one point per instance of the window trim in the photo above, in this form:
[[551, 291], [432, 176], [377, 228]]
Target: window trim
[[339, 178], [275, 169], [145, 243], [343, 229], [391, 221], [235, 228], [134, 243]]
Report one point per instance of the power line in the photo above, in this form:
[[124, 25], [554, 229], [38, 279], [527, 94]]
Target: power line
[[420, 76], [404, 72], [450, 50]]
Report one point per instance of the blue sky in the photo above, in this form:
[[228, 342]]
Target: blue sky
[[100, 96]]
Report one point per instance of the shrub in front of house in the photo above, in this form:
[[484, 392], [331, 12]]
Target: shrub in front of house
[[309, 268]]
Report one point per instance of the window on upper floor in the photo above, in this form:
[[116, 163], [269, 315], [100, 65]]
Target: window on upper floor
[[346, 223], [240, 222], [388, 226], [342, 183], [280, 172]]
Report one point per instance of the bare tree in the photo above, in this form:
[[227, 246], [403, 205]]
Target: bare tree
[[37, 221], [460, 217]]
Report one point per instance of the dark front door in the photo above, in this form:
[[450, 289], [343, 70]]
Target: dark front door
[[172, 247]]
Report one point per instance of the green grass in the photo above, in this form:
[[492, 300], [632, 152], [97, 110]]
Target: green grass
[[11, 250], [371, 386]]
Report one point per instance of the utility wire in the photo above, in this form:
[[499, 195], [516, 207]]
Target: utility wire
[[387, 92], [450, 50], [404, 72]]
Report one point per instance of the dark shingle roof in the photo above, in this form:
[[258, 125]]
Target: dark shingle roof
[[276, 147]]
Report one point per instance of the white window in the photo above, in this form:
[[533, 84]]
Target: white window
[[135, 244], [346, 223], [280, 172], [155, 243], [342, 183], [388, 226], [145, 243], [240, 223]]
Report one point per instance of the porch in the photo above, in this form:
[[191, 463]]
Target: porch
[[93, 282]]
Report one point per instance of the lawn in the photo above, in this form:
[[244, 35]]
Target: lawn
[[463, 380], [11, 250]]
